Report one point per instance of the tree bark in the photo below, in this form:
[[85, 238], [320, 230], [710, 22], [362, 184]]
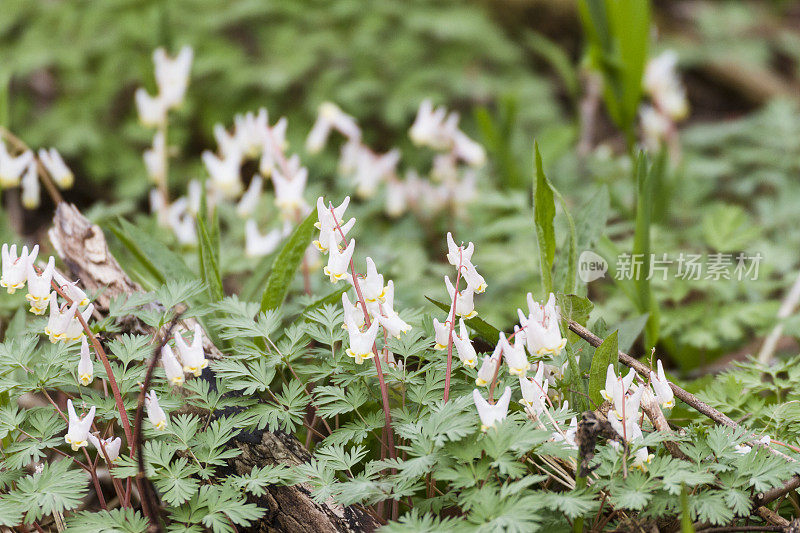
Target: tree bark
[[82, 246]]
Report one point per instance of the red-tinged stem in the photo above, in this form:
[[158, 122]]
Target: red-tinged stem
[[101, 354], [456, 292], [95, 480], [387, 415], [497, 368]]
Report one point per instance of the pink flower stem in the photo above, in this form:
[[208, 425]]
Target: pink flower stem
[[387, 415], [452, 319]]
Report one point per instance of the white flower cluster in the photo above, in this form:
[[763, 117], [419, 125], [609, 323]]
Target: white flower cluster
[[462, 302], [539, 335], [668, 96], [374, 306], [251, 138], [190, 358], [625, 396], [22, 170], [434, 128]]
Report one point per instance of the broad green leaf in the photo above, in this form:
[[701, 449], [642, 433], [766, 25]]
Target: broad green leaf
[[485, 330], [604, 355], [286, 263], [161, 262], [544, 211]]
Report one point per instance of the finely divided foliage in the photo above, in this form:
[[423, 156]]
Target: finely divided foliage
[[425, 419]]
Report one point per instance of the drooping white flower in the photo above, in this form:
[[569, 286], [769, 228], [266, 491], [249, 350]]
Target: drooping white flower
[[289, 191], [249, 200], [39, 286], [338, 261], [468, 150], [172, 75], [155, 413], [396, 202], [56, 167], [172, 367], [466, 352], [252, 132], [464, 300], [352, 313], [458, 255], [441, 333], [31, 190], [194, 197], [323, 244], [74, 330], [152, 109], [85, 366], [515, 355], [182, 222], [661, 81], [625, 413], [390, 319], [489, 367], [613, 383], [192, 355], [490, 414], [331, 117], [662, 388], [543, 330], [473, 279], [78, 431], [11, 167], [110, 446], [372, 286], [15, 268], [534, 391], [155, 158], [224, 172], [71, 289], [433, 127], [59, 319], [372, 169], [361, 342], [655, 127], [256, 244]]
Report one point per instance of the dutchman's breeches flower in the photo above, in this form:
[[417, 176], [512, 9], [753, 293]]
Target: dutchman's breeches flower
[[490, 414], [85, 366], [441, 333], [78, 431], [662, 388], [534, 391], [338, 261], [361, 342], [110, 446], [192, 355], [466, 352], [515, 355], [15, 268], [155, 413], [172, 367], [488, 367], [458, 255], [39, 286], [464, 300]]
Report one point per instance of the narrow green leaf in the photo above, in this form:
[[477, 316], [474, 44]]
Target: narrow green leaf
[[558, 59], [287, 262], [604, 355], [156, 258], [544, 211], [485, 330], [646, 303], [209, 268]]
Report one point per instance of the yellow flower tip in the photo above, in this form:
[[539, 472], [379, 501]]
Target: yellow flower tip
[[440, 346], [37, 310], [469, 315], [484, 428], [85, 379], [161, 425], [178, 381], [318, 246], [471, 363], [668, 405], [480, 382], [30, 203]]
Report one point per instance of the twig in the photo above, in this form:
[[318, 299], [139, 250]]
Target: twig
[[150, 505], [788, 305]]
